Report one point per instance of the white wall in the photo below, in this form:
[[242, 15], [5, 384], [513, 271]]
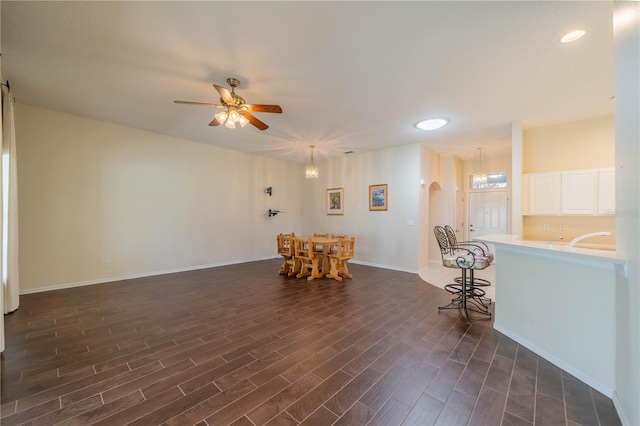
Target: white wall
[[442, 201], [627, 157], [382, 237], [431, 174], [582, 144], [92, 192], [515, 217], [446, 209]]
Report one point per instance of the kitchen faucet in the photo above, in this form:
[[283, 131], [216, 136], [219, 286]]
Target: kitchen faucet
[[593, 234]]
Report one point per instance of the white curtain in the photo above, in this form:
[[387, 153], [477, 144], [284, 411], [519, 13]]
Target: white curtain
[[9, 268]]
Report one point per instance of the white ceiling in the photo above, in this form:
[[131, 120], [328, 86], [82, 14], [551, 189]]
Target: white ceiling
[[350, 76]]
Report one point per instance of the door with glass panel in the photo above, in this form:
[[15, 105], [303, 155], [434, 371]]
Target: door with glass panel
[[488, 213]]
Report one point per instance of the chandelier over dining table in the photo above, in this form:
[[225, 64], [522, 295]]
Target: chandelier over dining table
[[311, 172]]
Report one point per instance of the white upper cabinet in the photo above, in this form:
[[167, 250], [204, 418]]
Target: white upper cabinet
[[574, 192], [607, 191], [579, 192], [544, 194]]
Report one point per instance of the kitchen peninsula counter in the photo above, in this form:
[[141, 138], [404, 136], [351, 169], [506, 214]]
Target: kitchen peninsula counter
[[559, 301], [555, 248]]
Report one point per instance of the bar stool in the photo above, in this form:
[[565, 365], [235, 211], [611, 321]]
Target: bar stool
[[461, 257], [480, 249]]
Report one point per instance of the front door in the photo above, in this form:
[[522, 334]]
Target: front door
[[488, 213]]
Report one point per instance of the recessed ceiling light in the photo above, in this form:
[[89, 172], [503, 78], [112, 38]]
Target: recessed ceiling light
[[432, 123], [572, 36]]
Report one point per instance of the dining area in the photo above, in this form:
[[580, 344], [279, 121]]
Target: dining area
[[321, 255]]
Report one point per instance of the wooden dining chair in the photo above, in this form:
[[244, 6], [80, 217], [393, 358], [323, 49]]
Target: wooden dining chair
[[318, 247], [307, 259], [285, 249], [334, 247], [340, 259]]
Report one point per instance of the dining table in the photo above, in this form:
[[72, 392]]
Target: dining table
[[325, 243]]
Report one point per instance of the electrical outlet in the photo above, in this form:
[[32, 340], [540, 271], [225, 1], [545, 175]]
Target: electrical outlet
[[107, 264], [545, 226]]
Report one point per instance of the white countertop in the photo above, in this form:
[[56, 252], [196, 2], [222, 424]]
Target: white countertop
[[559, 249]]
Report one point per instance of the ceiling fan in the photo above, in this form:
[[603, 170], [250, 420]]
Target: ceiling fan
[[236, 110]]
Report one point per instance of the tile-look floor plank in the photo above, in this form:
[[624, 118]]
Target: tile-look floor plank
[[442, 385], [489, 408], [312, 400], [279, 402], [521, 400], [425, 412], [457, 409], [244, 346], [549, 410], [350, 393], [391, 413], [409, 392]]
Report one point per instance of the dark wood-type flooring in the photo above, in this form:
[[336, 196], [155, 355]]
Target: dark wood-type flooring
[[241, 345]]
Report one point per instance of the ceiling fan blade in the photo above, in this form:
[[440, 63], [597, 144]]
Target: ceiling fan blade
[[264, 108], [224, 93], [259, 124], [214, 122], [199, 103]]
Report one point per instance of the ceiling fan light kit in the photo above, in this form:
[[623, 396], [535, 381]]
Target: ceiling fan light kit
[[236, 109], [231, 117]]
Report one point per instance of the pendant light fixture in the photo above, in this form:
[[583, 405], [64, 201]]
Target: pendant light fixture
[[479, 178], [311, 170]]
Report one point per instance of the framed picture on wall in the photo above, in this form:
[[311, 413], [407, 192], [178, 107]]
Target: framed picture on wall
[[378, 197], [335, 200]]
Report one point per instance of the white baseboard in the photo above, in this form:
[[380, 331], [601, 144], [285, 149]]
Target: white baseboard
[[185, 269], [431, 263], [605, 390], [377, 265], [616, 402], [139, 275]]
